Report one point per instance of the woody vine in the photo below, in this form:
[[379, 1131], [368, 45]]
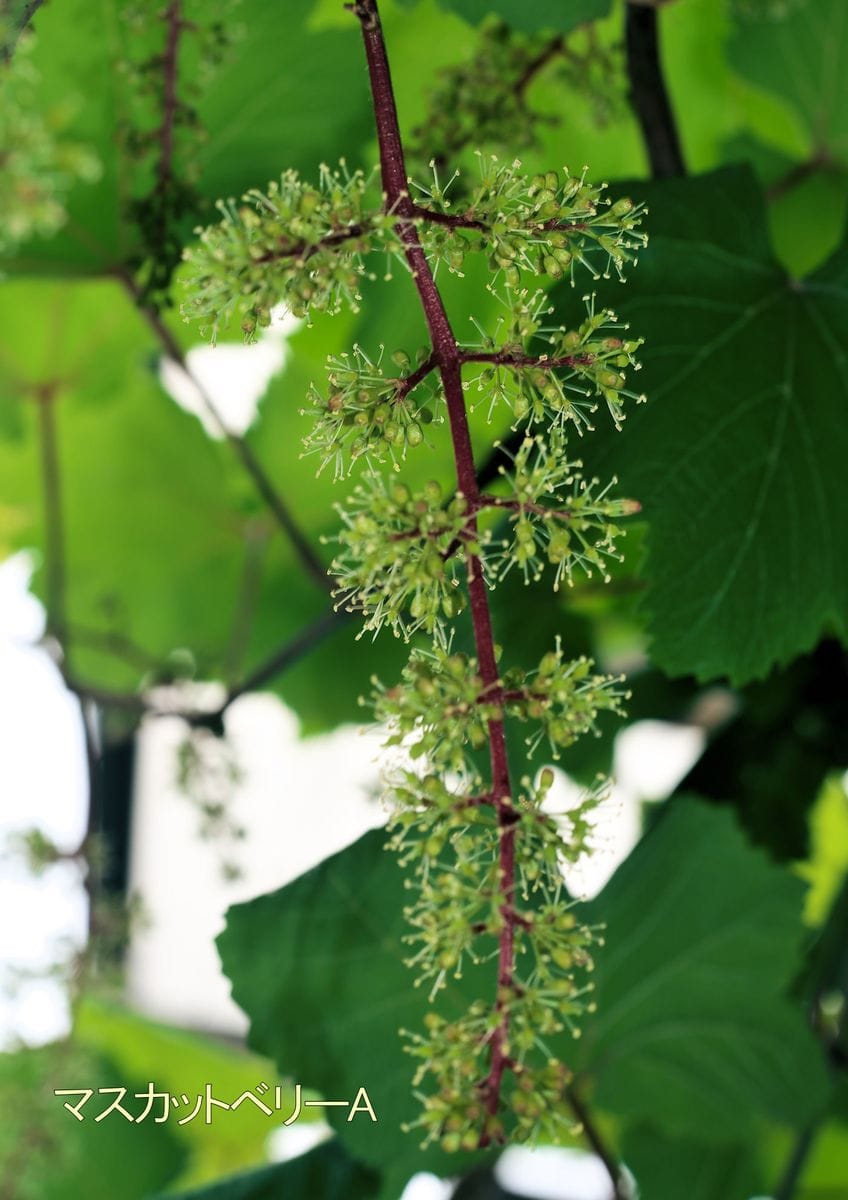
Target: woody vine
[[486, 853]]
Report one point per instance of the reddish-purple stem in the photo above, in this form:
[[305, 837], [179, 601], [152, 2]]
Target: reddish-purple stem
[[405, 385], [454, 220], [520, 506], [507, 358], [448, 357], [301, 251]]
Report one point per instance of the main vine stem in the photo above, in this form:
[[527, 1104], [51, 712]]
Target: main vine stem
[[448, 357]]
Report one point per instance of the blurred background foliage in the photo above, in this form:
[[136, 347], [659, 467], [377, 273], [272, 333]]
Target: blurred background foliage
[[717, 1060]]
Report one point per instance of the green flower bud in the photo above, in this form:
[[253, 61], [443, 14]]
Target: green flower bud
[[520, 407], [610, 379]]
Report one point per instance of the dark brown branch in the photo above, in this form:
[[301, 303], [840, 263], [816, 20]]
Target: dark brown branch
[[289, 654], [797, 174], [797, 1161], [593, 1137], [272, 498], [17, 26], [449, 357], [648, 95], [93, 882], [547, 54]]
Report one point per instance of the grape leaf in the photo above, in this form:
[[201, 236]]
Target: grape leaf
[[738, 455], [703, 936], [664, 1167]]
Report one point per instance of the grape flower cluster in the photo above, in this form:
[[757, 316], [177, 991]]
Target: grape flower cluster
[[485, 855], [294, 243], [451, 840], [547, 224], [368, 414], [442, 708], [397, 563], [484, 100]]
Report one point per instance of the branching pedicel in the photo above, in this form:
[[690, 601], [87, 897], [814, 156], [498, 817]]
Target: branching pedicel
[[487, 855]]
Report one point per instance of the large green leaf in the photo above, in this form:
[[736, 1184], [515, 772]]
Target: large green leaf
[[691, 1031], [738, 455], [703, 937], [325, 1173], [664, 1169]]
